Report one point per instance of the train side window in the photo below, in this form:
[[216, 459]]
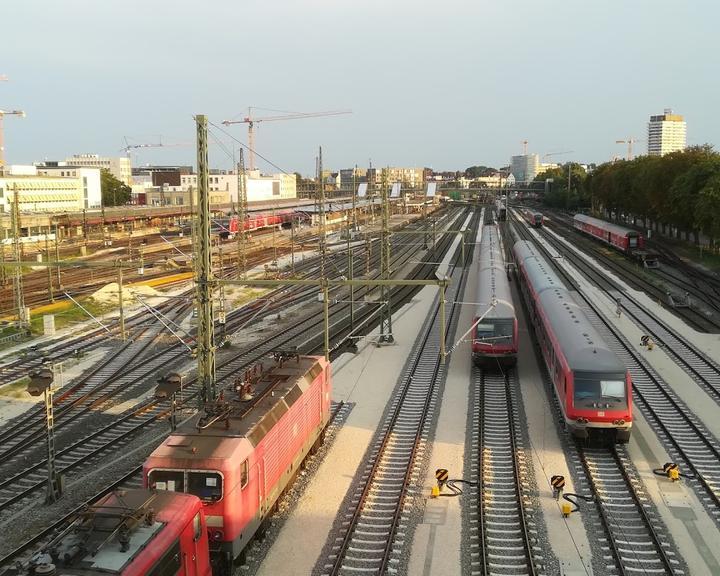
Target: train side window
[[169, 563], [244, 474], [197, 527]]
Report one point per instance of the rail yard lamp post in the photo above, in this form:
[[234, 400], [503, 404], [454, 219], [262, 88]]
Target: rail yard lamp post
[[41, 382]]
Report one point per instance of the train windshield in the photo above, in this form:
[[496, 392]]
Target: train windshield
[[205, 485], [494, 332], [208, 486], [170, 480], [599, 387]]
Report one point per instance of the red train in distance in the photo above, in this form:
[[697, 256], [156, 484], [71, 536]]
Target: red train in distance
[[242, 453], [131, 533], [624, 239], [533, 218], [259, 221], [593, 386]]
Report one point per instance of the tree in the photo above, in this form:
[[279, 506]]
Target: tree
[[476, 171], [114, 191], [707, 208]]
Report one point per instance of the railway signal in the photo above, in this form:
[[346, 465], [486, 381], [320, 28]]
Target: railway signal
[[41, 382], [558, 483]]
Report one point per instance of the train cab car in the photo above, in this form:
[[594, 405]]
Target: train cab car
[[533, 218], [593, 387], [495, 336], [624, 239], [242, 453], [501, 210], [131, 533]]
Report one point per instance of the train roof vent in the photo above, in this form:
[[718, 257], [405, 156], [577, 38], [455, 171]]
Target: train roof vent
[[588, 339]]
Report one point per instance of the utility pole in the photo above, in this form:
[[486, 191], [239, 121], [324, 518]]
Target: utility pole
[[567, 197], [321, 213], [3, 275], [17, 253], [242, 215], [120, 304], [57, 256], [49, 269], [205, 331], [352, 228], [386, 334]]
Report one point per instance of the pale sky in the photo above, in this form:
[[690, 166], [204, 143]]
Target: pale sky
[[445, 84]]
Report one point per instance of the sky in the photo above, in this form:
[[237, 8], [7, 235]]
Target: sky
[[445, 85]]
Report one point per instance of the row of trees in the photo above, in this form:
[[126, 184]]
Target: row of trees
[[678, 192]]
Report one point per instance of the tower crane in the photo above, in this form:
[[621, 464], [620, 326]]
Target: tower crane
[[250, 120], [630, 141], [549, 154], [159, 144], [4, 113]]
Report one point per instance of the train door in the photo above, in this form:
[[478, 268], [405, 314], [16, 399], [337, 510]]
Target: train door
[[633, 241], [261, 485]]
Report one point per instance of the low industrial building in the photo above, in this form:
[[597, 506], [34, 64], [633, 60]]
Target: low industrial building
[[47, 191]]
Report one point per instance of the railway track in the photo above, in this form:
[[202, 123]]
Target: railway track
[[642, 281], [637, 539], [17, 489], [681, 432], [685, 437], [633, 537], [702, 369], [373, 537], [499, 524]]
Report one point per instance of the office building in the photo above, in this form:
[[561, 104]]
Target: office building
[[666, 133], [118, 167], [525, 167]]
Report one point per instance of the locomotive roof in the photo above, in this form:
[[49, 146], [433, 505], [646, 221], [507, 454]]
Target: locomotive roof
[[492, 278], [584, 348], [539, 273], [92, 546], [278, 388], [608, 226]]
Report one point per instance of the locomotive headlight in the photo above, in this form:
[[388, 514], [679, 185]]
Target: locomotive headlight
[[217, 534]]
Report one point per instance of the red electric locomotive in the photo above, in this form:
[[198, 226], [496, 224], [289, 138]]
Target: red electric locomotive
[[131, 533], [593, 387], [242, 453], [259, 221]]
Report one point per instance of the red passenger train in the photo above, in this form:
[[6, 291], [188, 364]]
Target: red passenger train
[[593, 387], [495, 337], [242, 453], [624, 239], [533, 218], [131, 533]]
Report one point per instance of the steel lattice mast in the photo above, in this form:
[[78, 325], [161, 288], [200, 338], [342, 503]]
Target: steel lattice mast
[[206, 333]]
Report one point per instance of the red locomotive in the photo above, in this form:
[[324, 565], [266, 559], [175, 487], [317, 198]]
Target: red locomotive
[[241, 454], [593, 387], [131, 533]]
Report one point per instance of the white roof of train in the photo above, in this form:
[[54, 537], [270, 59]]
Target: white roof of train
[[492, 280], [607, 226]]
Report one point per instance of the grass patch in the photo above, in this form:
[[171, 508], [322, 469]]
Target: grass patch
[[73, 315], [16, 390]]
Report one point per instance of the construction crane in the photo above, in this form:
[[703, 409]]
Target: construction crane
[[251, 121], [159, 144], [557, 153], [630, 141], [4, 113]]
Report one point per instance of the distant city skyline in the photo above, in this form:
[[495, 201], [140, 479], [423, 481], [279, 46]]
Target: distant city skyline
[[445, 86]]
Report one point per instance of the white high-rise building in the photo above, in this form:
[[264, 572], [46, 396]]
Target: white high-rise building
[[666, 133], [118, 166]]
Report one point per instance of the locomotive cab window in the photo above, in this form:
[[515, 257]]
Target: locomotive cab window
[[208, 486], [197, 527], [170, 480]]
